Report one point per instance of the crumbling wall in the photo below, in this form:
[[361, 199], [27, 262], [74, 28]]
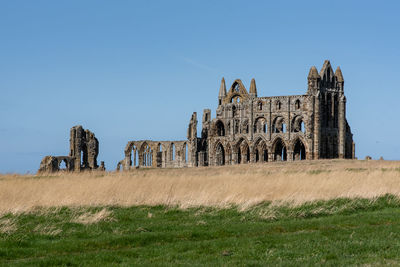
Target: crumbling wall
[[84, 149]]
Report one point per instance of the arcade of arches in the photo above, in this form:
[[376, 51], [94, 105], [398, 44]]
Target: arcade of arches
[[259, 153]]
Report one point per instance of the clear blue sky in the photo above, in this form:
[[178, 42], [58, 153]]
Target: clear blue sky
[[131, 70]]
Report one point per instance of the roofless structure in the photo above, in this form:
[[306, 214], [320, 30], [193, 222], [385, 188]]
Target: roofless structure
[[248, 128]]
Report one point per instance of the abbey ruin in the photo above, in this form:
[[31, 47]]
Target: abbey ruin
[[250, 129], [84, 149]]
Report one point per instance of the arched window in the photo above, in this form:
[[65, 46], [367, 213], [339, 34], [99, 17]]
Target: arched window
[[280, 152], [278, 105], [259, 105], [186, 152], [299, 151], [260, 125], [237, 126], [135, 153], [220, 128], [172, 152], [62, 165], [147, 156], [220, 155], [245, 128], [298, 124], [279, 125], [297, 104]]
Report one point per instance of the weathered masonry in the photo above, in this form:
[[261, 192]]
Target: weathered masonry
[[248, 128], [84, 149]]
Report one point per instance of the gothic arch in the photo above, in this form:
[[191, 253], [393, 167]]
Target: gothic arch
[[242, 149], [237, 91], [260, 125], [219, 128], [260, 150], [185, 152], [219, 154], [298, 124], [172, 151], [279, 149], [278, 125], [299, 150], [245, 127], [145, 155]]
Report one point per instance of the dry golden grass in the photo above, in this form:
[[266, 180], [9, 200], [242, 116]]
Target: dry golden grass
[[243, 185]]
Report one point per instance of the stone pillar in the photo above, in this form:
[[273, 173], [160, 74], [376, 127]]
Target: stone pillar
[[270, 121], [289, 155], [342, 127], [317, 126], [252, 156], [251, 121], [288, 126], [271, 156], [201, 156], [234, 158]]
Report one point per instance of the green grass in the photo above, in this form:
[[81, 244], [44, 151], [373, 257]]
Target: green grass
[[337, 232]]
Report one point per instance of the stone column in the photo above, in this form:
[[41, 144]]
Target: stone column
[[251, 121], [270, 121], [289, 155], [234, 158], [317, 126], [288, 126], [271, 156], [252, 156], [342, 127]]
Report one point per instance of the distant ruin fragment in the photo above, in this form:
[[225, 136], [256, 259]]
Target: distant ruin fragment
[[84, 149]]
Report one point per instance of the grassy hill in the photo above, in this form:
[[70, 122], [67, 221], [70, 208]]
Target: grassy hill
[[320, 212]]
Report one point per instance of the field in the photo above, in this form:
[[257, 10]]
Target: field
[[332, 212]]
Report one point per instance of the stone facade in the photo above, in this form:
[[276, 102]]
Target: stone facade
[[248, 128], [84, 149]]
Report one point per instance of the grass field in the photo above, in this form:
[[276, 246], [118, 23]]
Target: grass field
[[319, 212]]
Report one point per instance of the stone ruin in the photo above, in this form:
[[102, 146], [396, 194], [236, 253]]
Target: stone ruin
[[250, 129], [247, 128], [84, 149]]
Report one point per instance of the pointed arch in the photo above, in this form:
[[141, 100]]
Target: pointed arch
[[245, 127], [146, 155], [159, 155], [260, 150], [242, 150], [280, 150], [260, 125], [278, 125], [172, 151], [220, 154], [298, 124], [299, 150], [219, 128], [237, 93]]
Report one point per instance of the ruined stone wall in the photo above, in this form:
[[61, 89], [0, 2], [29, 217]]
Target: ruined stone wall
[[84, 149], [248, 128], [161, 154]]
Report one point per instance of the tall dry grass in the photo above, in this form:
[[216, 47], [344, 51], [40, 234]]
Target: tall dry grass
[[243, 185]]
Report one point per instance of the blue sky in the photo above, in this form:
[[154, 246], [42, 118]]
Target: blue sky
[[131, 70]]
